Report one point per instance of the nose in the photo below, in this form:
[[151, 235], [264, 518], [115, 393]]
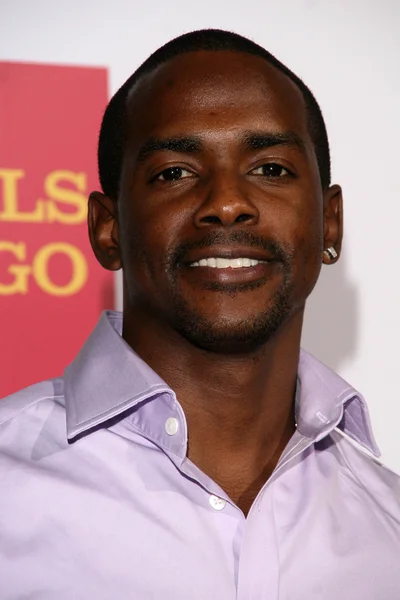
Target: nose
[[225, 204]]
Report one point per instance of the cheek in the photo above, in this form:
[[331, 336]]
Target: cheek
[[146, 237], [300, 224], [309, 248]]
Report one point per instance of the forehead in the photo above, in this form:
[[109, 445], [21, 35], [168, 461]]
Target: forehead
[[215, 89]]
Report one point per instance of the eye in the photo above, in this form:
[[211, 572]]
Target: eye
[[270, 170], [173, 174]]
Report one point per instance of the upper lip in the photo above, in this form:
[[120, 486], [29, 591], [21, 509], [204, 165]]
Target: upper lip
[[229, 252]]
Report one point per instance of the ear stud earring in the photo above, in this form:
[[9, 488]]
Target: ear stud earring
[[331, 253]]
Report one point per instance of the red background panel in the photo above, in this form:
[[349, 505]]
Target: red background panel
[[49, 122]]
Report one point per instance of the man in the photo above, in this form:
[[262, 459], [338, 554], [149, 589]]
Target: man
[[205, 455]]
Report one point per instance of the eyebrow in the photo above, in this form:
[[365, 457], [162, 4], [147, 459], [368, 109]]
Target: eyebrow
[[192, 144], [259, 141], [177, 144]]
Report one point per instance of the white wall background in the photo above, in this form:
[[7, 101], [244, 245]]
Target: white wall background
[[348, 52]]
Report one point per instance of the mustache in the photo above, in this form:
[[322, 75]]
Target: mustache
[[279, 251]]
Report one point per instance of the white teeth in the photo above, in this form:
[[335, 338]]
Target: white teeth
[[224, 263], [236, 263]]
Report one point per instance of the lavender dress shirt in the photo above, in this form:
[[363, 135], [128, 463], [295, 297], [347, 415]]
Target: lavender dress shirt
[[98, 500]]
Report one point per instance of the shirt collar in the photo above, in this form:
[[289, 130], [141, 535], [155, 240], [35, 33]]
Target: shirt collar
[[107, 379], [325, 401]]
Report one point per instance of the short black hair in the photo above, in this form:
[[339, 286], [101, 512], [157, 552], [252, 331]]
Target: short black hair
[[114, 126]]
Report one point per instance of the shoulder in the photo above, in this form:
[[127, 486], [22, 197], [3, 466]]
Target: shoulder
[[27, 398], [23, 414], [376, 481]]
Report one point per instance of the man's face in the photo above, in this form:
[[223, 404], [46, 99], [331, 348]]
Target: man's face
[[221, 208]]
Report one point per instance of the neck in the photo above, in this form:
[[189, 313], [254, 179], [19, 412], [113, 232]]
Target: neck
[[239, 408]]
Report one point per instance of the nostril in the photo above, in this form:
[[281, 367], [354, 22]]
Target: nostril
[[211, 219], [243, 218]]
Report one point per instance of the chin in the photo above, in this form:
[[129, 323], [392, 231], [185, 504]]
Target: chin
[[231, 336]]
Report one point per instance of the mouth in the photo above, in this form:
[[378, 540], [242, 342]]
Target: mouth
[[219, 262], [224, 268]]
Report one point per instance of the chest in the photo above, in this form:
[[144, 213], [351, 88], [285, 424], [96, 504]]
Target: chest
[[144, 530]]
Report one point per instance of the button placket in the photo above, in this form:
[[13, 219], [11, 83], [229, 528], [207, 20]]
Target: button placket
[[171, 426], [216, 502]]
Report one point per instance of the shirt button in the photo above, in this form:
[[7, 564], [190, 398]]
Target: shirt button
[[217, 503], [171, 426]]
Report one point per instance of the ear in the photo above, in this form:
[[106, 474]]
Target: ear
[[103, 230], [333, 222]]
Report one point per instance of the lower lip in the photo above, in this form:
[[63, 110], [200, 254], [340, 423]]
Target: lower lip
[[229, 275]]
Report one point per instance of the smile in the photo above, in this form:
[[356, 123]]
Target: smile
[[227, 263]]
